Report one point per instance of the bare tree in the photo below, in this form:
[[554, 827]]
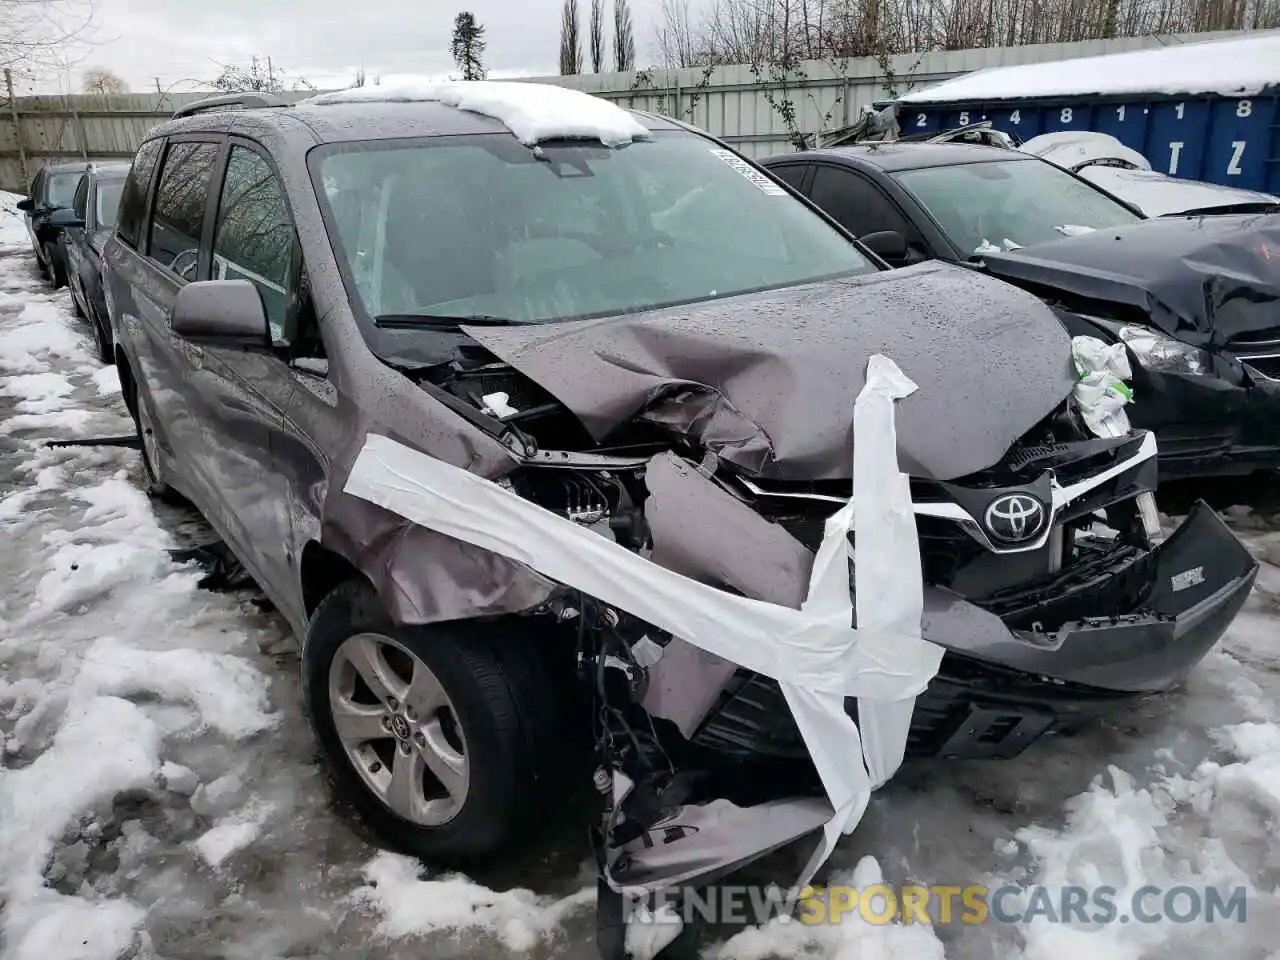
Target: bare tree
[[675, 37], [624, 37], [39, 36], [787, 31], [570, 47], [595, 35], [101, 80], [468, 46]]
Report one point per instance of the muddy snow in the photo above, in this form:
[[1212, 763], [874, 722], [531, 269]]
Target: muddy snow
[[159, 793]]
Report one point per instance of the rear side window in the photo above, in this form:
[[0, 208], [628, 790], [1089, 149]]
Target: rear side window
[[177, 215], [133, 201], [254, 238]]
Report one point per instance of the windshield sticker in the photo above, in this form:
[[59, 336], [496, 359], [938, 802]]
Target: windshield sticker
[[755, 176]]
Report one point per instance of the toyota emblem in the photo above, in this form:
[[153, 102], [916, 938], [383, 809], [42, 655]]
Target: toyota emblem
[[1015, 517]]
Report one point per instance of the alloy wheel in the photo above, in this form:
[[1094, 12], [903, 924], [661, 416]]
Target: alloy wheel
[[398, 729]]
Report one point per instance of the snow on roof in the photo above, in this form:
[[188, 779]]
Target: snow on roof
[[1234, 67], [534, 112]]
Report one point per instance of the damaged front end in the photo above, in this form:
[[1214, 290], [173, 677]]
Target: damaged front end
[[750, 682], [1194, 301]]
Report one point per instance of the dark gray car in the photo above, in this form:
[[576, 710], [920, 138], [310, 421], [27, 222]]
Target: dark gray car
[[47, 210], [661, 344], [96, 200]]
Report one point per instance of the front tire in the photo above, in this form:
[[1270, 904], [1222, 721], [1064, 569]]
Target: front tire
[[75, 303], [102, 337], [57, 272], [444, 738], [149, 446]]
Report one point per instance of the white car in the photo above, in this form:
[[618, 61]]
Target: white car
[[1125, 173]]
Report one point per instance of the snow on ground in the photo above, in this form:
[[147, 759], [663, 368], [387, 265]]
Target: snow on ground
[[12, 230], [1237, 66], [159, 796]]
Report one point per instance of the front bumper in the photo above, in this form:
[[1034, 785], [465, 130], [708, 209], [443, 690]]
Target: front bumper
[[1209, 425], [1001, 687]]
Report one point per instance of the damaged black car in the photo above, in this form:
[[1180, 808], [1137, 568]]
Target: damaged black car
[[546, 423], [1195, 299]]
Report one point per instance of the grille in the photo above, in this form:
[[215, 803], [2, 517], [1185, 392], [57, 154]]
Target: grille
[[1261, 356], [970, 709], [1266, 367]]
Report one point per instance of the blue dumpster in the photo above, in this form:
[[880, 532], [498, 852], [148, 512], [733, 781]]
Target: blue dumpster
[[1204, 111]]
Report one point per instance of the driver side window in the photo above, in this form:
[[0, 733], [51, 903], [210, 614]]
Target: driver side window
[[856, 204], [254, 238]]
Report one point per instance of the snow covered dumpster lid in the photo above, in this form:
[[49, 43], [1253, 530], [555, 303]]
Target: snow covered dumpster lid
[[1237, 66]]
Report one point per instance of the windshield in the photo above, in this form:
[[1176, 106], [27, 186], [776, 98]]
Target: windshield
[[482, 226], [61, 190], [108, 202], [1005, 204]]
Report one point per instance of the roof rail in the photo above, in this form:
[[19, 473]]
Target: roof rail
[[243, 100]]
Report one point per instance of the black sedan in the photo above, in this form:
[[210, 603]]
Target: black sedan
[[96, 200], [47, 209], [1196, 300]]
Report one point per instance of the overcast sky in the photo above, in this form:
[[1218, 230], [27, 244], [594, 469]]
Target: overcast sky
[[324, 41]]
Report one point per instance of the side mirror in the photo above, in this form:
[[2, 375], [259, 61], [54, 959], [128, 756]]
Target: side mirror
[[26, 205], [887, 244], [224, 313], [65, 217]]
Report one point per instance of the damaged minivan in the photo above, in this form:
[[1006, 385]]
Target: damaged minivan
[[536, 419]]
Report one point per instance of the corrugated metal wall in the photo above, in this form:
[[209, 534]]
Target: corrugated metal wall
[[731, 102]]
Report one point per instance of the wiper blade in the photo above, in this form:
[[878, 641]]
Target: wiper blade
[[409, 321]]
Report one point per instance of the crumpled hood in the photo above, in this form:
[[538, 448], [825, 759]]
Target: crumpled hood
[[1205, 280], [767, 381]]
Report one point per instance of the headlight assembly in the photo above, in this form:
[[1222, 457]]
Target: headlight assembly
[[1163, 354]]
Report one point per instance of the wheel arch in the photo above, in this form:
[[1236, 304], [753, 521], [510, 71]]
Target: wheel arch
[[320, 571]]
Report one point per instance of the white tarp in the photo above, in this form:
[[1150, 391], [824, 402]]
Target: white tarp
[[814, 653]]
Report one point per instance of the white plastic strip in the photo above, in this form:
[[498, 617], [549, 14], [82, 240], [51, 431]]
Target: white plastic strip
[[814, 653]]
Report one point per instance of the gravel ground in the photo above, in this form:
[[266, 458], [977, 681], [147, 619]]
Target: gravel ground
[[159, 795]]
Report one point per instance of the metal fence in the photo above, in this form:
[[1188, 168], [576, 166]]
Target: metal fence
[[746, 106]]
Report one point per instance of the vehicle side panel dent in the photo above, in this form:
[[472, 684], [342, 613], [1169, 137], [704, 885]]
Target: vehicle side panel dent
[[423, 576]]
